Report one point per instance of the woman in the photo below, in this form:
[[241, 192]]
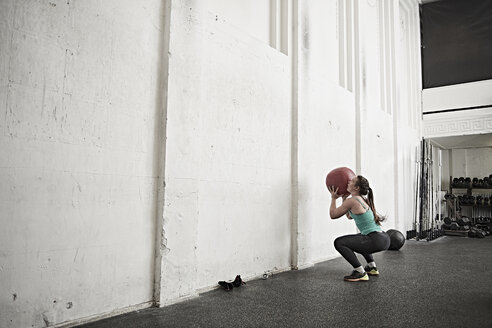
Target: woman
[[371, 238]]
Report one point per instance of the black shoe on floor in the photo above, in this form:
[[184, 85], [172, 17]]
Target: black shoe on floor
[[356, 276], [226, 285], [372, 271], [238, 281]]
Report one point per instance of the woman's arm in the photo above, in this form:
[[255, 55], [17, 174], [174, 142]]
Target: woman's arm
[[348, 214], [336, 212]]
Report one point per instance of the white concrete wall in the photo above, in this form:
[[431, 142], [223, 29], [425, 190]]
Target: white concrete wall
[[325, 142], [407, 112], [227, 196], [250, 135], [78, 102], [389, 111], [252, 17], [376, 125], [326, 121]]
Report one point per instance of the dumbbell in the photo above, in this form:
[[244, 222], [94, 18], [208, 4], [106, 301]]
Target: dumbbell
[[466, 199], [449, 196], [475, 233], [463, 221], [483, 220], [454, 226]]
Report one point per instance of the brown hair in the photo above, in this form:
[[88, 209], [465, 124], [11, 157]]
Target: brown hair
[[364, 190]]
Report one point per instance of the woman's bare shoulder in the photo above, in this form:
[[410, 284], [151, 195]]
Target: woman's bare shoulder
[[350, 201], [362, 201]]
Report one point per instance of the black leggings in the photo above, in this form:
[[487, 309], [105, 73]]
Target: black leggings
[[362, 244]]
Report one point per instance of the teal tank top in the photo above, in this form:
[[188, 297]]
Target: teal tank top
[[365, 221]]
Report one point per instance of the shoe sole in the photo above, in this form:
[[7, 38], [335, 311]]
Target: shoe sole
[[373, 274], [365, 278]]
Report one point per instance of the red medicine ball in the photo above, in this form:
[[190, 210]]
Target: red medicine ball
[[339, 178]]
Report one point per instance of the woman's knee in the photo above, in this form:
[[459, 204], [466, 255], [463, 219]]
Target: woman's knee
[[336, 243], [339, 242]]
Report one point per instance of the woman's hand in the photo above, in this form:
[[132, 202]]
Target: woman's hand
[[336, 212], [333, 192]]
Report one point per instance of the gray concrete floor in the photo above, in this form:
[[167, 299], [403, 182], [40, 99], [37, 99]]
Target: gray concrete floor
[[443, 283]]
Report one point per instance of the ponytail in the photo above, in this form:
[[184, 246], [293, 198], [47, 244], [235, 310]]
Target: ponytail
[[370, 199], [364, 189]]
